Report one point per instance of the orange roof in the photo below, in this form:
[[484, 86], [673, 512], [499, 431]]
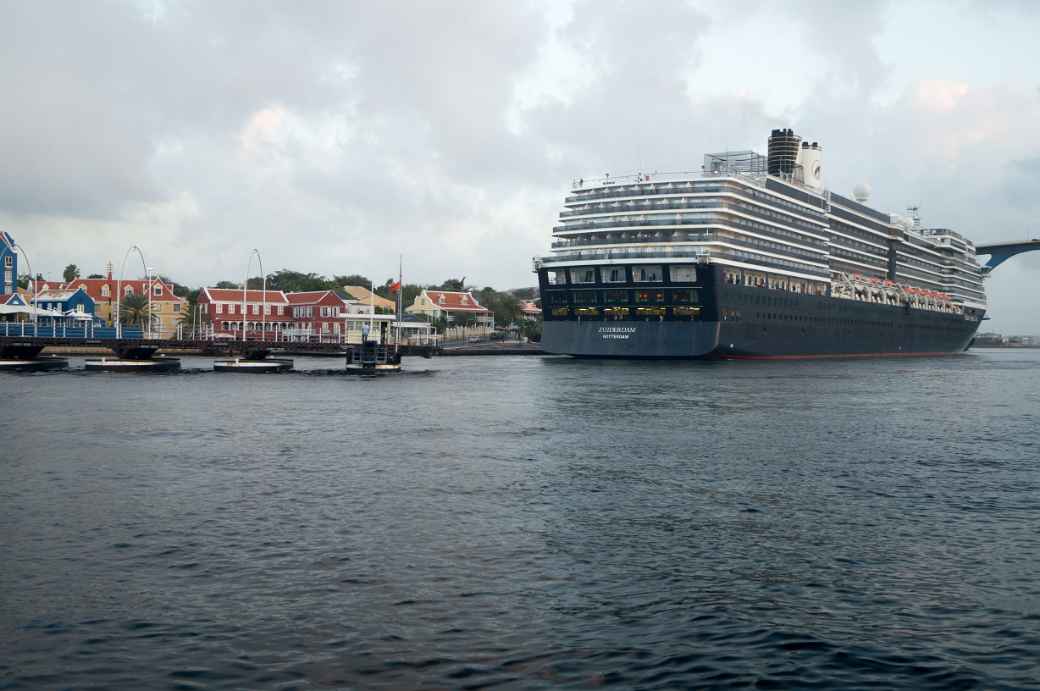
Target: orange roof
[[274, 297], [529, 307], [139, 285], [451, 301]]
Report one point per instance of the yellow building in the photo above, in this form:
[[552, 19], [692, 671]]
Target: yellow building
[[167, 308], [365, 296]]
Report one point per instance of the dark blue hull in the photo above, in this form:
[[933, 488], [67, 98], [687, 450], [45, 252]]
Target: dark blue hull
[[748, 322]]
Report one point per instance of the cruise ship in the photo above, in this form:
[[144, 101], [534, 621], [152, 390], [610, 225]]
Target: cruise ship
[[752, 257]]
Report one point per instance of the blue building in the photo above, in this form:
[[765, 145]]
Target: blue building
[[69, 305], [8, 265]]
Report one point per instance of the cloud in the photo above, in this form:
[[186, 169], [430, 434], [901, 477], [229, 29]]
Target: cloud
[[333, 136]]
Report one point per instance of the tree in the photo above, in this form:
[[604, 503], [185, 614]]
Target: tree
[[23, 281], [228, 285], [294, 281], [454, 284], [351, 280], [133, 310], [95, 276], [70, 273]]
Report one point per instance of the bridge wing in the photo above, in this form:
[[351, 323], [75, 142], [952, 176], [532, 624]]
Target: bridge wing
[[1000, 252]]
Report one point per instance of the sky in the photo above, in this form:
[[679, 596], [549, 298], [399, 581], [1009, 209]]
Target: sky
[[335, 137]]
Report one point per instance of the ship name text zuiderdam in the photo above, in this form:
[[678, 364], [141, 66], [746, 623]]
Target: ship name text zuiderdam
[[751, 258]]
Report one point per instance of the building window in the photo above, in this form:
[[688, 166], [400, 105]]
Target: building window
[[220, 308], [176, 307], [157, 290], [8, 261], [129, 290], [105, 291], [556, 278], [612, 274]]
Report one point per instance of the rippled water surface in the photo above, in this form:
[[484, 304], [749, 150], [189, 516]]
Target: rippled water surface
[[525, 522]]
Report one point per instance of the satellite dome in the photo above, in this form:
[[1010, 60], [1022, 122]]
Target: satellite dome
[[861, 192]]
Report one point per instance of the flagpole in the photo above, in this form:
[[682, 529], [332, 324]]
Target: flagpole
[[400, 292]]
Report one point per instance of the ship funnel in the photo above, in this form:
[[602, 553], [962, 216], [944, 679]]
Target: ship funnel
[[783, 151]]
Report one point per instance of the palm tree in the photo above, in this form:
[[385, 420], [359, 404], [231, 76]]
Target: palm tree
[[133, 310]]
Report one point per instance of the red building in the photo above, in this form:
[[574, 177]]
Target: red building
[[318, 313], [266, 317]]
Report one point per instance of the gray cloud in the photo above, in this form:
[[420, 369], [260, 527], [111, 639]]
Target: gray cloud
[[335, 135]]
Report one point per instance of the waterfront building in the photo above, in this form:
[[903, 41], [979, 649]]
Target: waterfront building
[[318, 312], [167, 308], [8, 267], [72, 303], [454, 306], [530, 311], [365, 296], [14, 307], [266, 314]]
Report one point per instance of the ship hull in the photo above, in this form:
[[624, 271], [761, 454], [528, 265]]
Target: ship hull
[[766, 324]]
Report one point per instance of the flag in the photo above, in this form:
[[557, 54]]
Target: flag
[[395, 286]]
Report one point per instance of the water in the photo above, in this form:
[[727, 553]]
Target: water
[[525, 522]]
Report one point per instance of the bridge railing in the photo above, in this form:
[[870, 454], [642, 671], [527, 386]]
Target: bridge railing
[[71, 332]]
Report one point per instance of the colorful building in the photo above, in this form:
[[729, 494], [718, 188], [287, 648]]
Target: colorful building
[[71, 303], [166, 311], [8, 266], [318, 312], [267, 315], [367, 297], [530, 311], [456, 307]]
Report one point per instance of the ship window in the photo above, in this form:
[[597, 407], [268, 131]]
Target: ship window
[[584, 274], [650, 313], [556, 278], [615, 297], [562, 312], [586, 312], [616, 312], [584, 297], [683, 273], [650, 273], [612, 274], [650, 296], [685, 297], [557, 298]]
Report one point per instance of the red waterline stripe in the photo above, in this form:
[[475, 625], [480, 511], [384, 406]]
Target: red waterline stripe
[[827, 356]]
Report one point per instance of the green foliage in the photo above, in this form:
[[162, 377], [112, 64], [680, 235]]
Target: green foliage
[[133, 310], [524, 293], [23, 281], [532, 330], [228, 285], [504, 306], [70, 273], [351, 280], [453, 284], [95, 276]]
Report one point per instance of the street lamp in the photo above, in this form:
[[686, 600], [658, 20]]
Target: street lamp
[[245, 286], [15, 247], [119, 287]]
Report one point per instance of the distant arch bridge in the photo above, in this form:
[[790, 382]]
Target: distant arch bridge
[[1000, 252]]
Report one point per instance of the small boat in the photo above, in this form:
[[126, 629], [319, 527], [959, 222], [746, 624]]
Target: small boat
[[372, 358], [118, 364], [39, 364], [258, 366]]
